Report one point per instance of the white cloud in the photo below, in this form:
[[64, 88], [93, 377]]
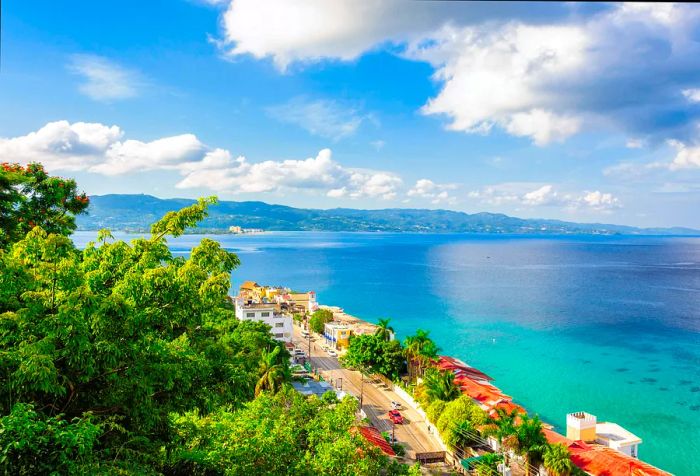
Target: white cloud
[[220, 172], [435, 192], [98, 148], [544, 195], [687, 157], [101, 149], [535, 75], [322, 117], [378, 144], [634, 143], [105, 80], [693, 95]]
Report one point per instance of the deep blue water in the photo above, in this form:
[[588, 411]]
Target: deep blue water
[[609, 325]]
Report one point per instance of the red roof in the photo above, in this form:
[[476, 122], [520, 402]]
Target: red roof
[[445, 362], [600, 460], [372, 435]]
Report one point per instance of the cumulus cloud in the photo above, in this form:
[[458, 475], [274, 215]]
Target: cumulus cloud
[[101, 149], [322, 117], [103, 79], [544, 195], [687, 157], [435, 192], [543, 76], [693, 95]]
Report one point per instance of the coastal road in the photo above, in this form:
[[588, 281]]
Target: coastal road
[[376, 400]]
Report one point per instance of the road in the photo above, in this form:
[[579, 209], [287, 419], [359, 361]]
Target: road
[[376, 400]]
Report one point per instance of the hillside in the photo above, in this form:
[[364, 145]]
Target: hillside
[[137, 212]]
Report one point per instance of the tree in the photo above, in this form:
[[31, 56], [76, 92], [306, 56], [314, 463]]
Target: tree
[[440, 385], [29, 197], [459, 421], [274, 370], [282, 434], [420, 349], [371, 352], [557, 460], [502, 427], [384, 330], [318, 320], [488, 464], [531, 442], [121, 336]]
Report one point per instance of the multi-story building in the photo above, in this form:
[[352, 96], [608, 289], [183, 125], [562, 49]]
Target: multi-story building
[[337, 334], [584, 427], [269, 313]]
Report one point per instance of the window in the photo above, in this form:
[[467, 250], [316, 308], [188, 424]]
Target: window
[[264, 314], [279, 324], [249, 314], [278, 336]]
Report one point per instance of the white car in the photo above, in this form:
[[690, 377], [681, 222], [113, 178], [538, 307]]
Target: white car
[[332, 353], [395, 405]]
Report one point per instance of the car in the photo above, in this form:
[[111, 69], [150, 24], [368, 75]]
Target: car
[[396, 417], [332, 353], [395, 405]]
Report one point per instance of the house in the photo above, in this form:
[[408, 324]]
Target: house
[[337, 334], [249, 310], [374, 437], [585, 427], [305, 301]]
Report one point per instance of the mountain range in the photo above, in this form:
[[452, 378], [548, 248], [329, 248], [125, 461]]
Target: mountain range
[[137, 212]]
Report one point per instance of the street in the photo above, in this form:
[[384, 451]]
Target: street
[[376, 400]]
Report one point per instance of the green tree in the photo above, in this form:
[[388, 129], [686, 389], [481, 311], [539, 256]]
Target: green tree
[[274, 370], [318, 320], [373, 353], [120, 335], [531, 442], [420, 350], [488, 464], [459, 421], [440, 385], [557, 460], [29, 197], [384, 330]]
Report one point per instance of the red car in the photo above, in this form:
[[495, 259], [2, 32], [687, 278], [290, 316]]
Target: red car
[[396, 417]]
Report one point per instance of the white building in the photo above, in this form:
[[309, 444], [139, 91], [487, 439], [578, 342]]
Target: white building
[[281, 324], [585, 427]]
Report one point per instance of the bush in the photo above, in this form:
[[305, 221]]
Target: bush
[[319, 319]]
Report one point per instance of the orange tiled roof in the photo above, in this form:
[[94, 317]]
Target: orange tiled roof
[[600, 460], [372, 435]]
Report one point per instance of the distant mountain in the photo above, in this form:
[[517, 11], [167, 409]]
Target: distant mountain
[[137, 212]]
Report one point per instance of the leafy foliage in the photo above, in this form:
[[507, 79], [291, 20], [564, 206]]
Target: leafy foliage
[[29, 197], [281, 434], [372, 353], [384, 330], [319, 318], [100, 346], [440, 385], [557, 460], [420, 349]]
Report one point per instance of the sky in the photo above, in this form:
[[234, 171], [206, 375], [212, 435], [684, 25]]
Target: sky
[[578, 111]]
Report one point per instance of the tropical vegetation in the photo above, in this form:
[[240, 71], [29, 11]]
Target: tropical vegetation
[[122, 358]]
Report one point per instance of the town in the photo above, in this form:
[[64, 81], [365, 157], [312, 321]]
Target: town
[[403, 421]]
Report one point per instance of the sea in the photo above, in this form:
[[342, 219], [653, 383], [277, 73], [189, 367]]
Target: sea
[[609, 325]]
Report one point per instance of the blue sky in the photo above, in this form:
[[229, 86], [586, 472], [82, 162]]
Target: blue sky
[[585, 112]]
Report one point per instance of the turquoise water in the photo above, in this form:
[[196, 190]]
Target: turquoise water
[[609, 325]]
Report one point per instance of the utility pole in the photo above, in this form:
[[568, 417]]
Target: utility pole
[[362, 387]]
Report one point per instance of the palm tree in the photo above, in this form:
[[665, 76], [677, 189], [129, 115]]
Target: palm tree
[[440, 385], [274, 371], [557, 460], [502, 427], [531, 441], [420, 350], [384, 330]]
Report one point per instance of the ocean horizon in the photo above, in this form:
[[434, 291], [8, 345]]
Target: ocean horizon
[[604, 324]]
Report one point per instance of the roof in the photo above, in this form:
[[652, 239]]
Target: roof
[[445, 362], [613, 432], [600, 460], [249, 285], [372, 435]]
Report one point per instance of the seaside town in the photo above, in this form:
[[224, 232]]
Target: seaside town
[[410, 420]]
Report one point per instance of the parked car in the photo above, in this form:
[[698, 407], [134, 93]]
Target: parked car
[[395, 405], [332, 353], [396, 417]]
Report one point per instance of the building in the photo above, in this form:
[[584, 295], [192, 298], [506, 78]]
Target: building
[[235, 229], [302, 301], [337, 334], [249, 310], [582, 426]]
